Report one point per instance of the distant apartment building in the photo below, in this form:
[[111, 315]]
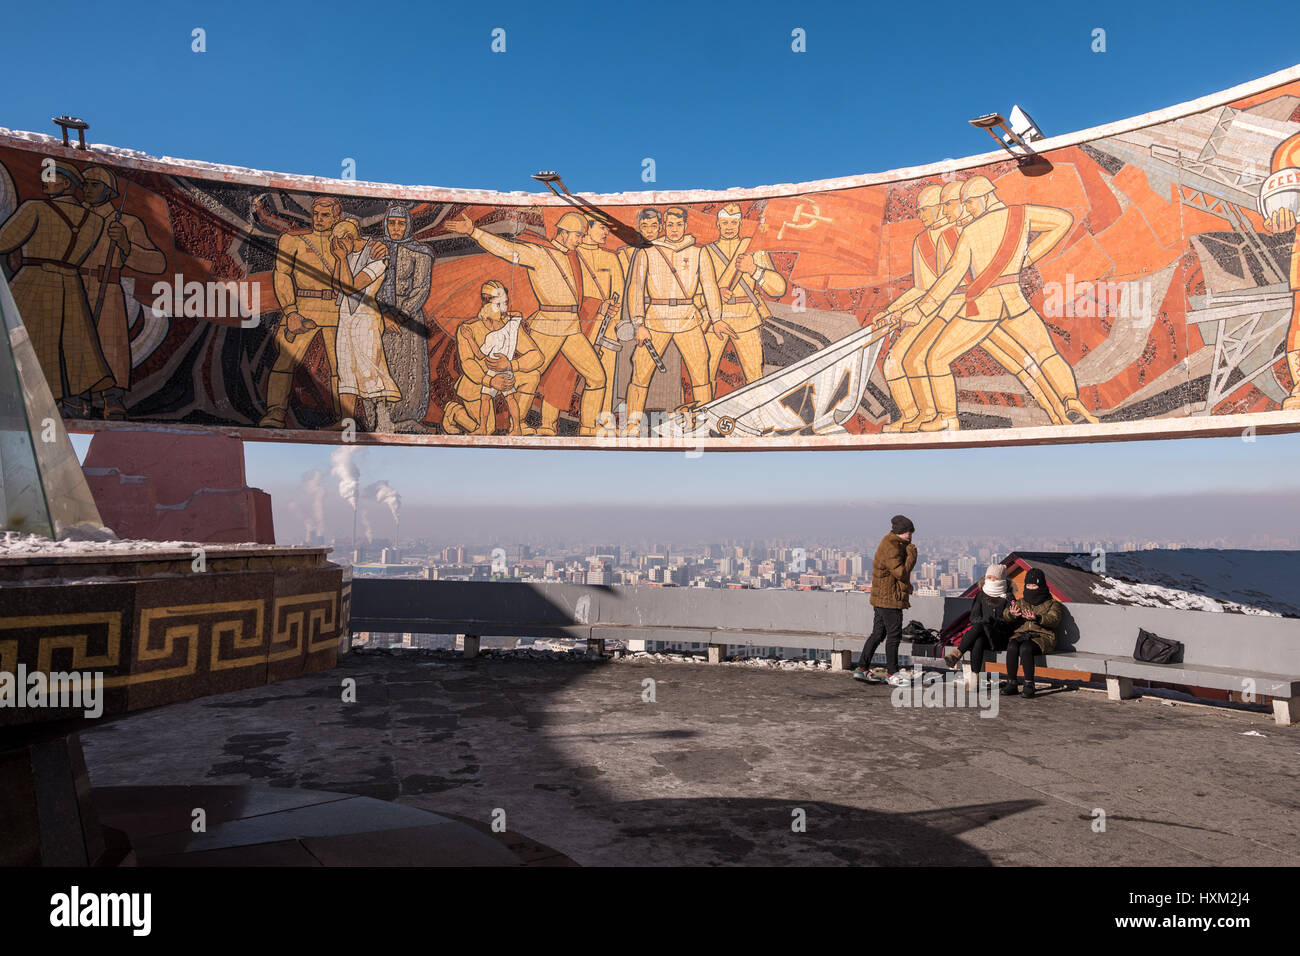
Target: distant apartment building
[[966, 570], [408, 639], [600, 571], [850, 565], [732, 650]]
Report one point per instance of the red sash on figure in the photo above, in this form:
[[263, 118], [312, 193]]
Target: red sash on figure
[[950, 237], [1001, 259], [929, 254]]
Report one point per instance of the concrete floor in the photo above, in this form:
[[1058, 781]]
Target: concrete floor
[[718, 768]]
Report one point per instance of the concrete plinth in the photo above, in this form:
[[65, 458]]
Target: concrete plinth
[[164, 486], [1119, 688], [167, 625]]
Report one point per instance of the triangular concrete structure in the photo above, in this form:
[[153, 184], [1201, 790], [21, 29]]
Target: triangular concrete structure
[[42, 488]]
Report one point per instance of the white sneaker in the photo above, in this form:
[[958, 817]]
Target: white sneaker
[[899, 680]]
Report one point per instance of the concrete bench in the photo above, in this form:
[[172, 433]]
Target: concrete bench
[[1254, 655], [1223, 651], [1252, 684]]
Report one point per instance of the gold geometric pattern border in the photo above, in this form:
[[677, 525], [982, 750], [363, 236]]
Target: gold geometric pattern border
[[294, 616], [222, 617], [82, 659], [310, 618]]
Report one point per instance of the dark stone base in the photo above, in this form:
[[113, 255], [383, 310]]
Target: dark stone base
[[162, 627], [47, 817], [147, 629]]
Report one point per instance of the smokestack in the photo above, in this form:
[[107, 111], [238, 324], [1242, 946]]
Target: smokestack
[[345, 468], [383, 491], [313, 493]]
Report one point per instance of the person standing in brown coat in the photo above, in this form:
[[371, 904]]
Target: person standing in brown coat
[[891, 586]]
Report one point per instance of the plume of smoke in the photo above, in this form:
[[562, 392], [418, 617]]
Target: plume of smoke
[[382, 491], [345, 469], [365, 526], [313, 489]]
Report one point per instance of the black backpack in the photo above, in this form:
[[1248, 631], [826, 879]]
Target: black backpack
[[918, 633]]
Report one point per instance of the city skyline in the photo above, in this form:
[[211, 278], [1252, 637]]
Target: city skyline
[[1139, 570], [1260, 520], [860, 537]]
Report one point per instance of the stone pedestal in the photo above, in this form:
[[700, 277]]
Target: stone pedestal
[[176, 486], [142, 629], [1119, 688]]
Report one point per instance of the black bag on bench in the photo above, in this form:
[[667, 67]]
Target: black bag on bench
[[1153, 649], [924, 640]]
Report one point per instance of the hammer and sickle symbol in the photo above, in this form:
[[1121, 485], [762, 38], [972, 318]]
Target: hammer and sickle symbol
[[802, 220]]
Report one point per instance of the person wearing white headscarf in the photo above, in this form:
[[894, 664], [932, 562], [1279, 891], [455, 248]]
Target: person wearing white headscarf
[[401, 298], [987, 633]]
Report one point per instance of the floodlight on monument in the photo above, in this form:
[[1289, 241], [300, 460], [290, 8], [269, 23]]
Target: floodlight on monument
[[66, 123], [624, 232], [1020, 131], [550, 177], [1023, 125]]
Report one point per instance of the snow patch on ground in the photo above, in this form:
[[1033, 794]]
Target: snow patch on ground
[[579, 654], [1200, 579], [17, 545]]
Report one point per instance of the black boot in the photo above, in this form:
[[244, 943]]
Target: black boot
[[1029, 690], [1009, 689], [114, 404]]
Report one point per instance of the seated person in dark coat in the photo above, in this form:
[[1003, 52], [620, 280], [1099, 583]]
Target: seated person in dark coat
[[988, 632], [1039, 617]]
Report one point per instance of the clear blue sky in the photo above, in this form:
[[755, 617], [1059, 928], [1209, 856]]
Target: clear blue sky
[[711, 91]]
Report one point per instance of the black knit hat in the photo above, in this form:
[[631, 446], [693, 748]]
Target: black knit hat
[[1035, 578], [901, 524]]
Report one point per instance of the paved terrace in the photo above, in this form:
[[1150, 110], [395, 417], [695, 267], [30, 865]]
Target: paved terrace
[[710, 773]]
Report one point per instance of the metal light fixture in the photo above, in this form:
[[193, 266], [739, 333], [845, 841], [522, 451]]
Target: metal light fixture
[[1020, 130], [66, 123], [550, 177], [624, 232]]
